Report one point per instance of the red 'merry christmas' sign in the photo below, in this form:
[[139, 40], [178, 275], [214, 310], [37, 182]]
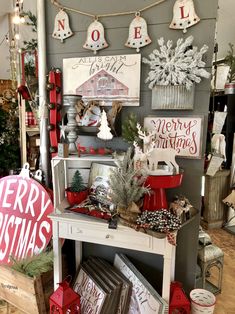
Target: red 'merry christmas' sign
[[25, 228]]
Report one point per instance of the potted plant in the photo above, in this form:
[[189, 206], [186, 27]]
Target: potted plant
[[77, 192], [127, 187], [230, 61], [174, 72]]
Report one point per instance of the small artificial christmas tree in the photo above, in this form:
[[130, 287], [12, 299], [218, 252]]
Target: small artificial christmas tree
[[127, 187], [104, 133], [77, 192], [77, 182]]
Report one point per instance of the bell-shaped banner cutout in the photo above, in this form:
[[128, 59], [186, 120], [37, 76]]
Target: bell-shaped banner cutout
[[95, 37], [138, 34], [61, 27], [184, 15]]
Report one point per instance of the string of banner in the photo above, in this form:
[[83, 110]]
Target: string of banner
[[184, 16]]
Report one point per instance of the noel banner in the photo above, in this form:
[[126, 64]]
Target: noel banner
[[184, 16]]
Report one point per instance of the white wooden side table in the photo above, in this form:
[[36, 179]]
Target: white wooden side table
[[86, 229]]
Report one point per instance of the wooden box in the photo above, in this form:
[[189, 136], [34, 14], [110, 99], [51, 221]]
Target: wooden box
[[30, 295], [63, 170], [216, 189]]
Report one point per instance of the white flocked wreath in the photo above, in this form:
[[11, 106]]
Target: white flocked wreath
[[179, 65]]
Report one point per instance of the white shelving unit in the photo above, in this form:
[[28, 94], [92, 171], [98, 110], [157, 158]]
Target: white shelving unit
[[81, 228]]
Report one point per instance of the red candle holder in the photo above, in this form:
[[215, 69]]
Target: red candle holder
[[157, 198]]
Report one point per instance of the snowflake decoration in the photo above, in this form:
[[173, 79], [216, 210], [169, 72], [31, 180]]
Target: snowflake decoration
[[181, 65]]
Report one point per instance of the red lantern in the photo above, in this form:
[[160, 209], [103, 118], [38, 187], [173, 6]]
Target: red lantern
[[178, 301], [64, 300]]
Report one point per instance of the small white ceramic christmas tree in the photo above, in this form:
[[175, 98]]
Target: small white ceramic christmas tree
[[104, 133]]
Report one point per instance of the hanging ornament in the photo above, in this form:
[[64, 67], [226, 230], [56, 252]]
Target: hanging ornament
[[61, 26], [104, 132], [184, 15], [138, 33], [95, 37]]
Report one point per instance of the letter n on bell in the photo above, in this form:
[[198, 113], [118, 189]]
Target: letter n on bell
[[61, 26]]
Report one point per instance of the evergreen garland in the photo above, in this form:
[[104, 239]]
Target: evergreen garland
[[35, 265], [126, 183], [77, 182]]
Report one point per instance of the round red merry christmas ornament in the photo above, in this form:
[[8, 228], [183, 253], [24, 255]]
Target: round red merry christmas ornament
[[25, 228]]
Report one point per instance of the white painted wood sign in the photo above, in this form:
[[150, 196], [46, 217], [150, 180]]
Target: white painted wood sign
[[104, 78], [144, 299], [184, 134]]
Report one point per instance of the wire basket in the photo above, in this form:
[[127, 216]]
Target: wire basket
[[202, 301]]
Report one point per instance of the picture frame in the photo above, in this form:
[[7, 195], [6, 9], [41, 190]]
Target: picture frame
[[144, 298], [184, 134], [99, 184], [104, 78], [93, 295], [29, 65]]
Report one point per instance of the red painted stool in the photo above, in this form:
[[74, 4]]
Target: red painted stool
[[157, 198]]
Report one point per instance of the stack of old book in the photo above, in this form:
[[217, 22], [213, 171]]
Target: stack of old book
[[118, 289]]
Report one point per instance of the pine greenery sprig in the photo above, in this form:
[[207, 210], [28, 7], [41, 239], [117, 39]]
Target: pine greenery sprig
[[126, 183], [181, 65], [35, 265], [32, 21], [129, 128], [77, 182], [230, 60]]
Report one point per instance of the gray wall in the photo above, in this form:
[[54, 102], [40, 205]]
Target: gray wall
[[116, 29]]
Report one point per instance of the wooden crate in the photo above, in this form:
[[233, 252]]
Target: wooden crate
[[216, 189], [30, 295]]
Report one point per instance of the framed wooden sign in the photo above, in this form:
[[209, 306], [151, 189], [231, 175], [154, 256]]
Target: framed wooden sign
[[144, 299], [184, 134], [93, 296], [104, 78]]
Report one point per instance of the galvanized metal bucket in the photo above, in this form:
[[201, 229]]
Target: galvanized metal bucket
[[229, 88], [173, 97]]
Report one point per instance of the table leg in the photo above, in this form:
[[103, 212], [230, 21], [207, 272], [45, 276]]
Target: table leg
[[78, 253], [57, 255], [168, 271]]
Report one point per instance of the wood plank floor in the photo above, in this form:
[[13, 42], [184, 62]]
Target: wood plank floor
[[225, 302]]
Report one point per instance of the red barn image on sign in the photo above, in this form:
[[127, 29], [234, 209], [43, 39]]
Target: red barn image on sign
[[102, 84]]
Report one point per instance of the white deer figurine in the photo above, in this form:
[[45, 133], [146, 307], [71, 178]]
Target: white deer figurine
[[147, 137], [150, 156], [167, 155]]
